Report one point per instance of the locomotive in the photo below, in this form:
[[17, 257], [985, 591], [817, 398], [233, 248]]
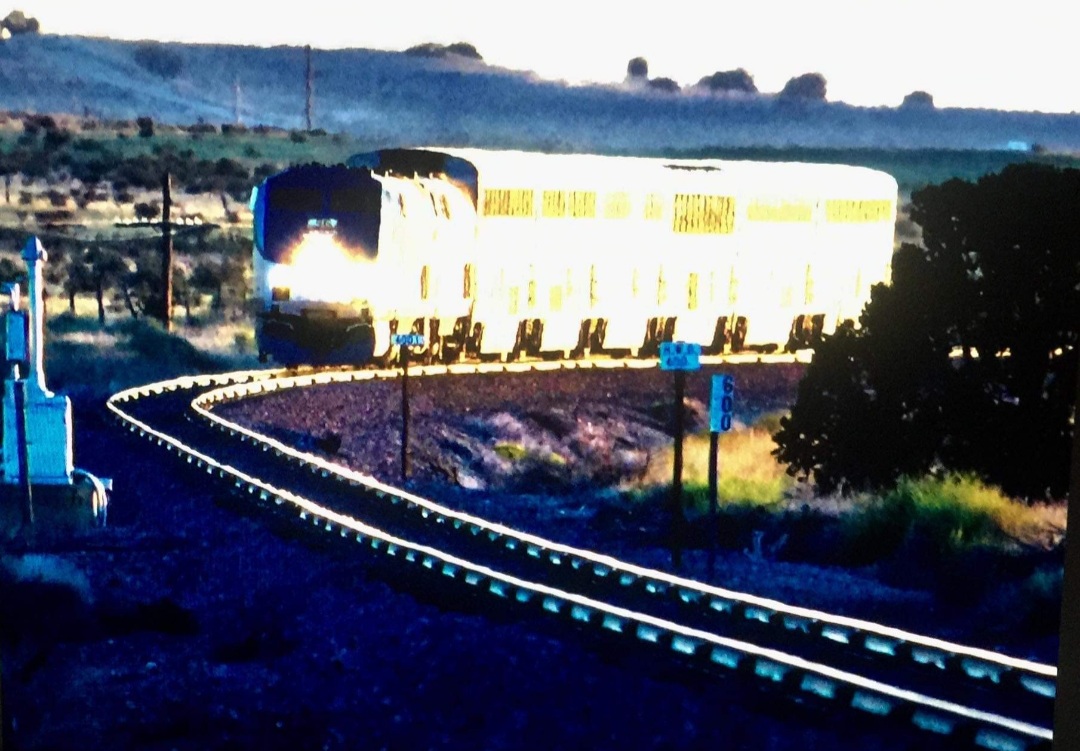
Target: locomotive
[[498, 254]]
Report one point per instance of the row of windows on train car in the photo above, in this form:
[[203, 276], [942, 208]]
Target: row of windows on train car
[[558, 293], [318, 200], [692, 213]]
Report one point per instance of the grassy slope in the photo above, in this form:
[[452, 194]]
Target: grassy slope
[[391, 98]]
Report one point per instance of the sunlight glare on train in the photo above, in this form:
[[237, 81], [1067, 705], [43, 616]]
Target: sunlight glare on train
[[320, 268]]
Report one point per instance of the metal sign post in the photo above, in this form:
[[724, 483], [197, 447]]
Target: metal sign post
[[405, 341], [678, 357], [721, 407]]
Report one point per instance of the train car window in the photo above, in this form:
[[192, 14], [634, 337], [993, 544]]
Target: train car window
[[583, 204], [445, 204], [355, 200], [516, 202], [554, 203], [616, 206], [306, 200], [857, 212], [782, 211], [401, 205], [699, 214], [424, 283], [692, 291], [556, 299], [809, 298], [531, 300], [654, 206], [468, 282]]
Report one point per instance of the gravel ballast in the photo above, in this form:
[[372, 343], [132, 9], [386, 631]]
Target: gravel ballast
[[191, 624]]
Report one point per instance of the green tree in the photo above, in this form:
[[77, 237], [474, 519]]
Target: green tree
[[17, 22], [808, 86], [637, 69], [97, 270], [967, 361], [730, 80]]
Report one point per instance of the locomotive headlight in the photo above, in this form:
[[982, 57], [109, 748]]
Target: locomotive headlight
[[321, 269]]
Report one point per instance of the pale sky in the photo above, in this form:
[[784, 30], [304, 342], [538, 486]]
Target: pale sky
[[965, 53]]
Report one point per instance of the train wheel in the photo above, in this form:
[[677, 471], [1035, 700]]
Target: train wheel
[[472, 342], [738, 334], [583, 340], [817, 330], [596, 339]]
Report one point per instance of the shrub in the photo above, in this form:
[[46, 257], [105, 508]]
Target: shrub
[[146, 126], [666, 85], [158, 59], [808, 86], [201, 128], [18, 22], [730, 80], [57, 198], [147, 211], [637, 69], [943, 516]]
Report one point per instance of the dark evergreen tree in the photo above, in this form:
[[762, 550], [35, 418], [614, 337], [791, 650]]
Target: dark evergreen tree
[[967, 361]]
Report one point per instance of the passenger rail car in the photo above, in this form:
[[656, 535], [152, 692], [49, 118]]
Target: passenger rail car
[[495, 254]]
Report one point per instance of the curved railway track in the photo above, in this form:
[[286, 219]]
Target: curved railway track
[[970, 698]]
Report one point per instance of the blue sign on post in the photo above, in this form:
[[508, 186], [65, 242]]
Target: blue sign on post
[[722, 403], [409, 340], [680, 356]]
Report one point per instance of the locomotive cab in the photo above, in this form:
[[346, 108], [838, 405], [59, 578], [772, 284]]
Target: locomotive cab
[[316, 276]]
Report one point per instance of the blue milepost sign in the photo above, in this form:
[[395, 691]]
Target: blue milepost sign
[[680, 356], [722, 403], [409, 340]]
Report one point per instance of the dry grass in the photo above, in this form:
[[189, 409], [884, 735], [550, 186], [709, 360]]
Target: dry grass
[[748, 474], [957, 510]]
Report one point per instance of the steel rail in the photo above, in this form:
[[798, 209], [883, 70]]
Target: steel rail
[[711, 651], [1032, 678]]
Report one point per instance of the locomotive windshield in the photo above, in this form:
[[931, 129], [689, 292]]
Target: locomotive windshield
[[308, 200], [302, 200]]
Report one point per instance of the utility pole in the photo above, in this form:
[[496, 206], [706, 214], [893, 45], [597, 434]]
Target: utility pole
[[310, 86], [166, 252], [1067, 700], [236, 100]]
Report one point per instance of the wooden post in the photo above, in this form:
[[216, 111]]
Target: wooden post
[[1067, 701], [166, 252], [236, 100], [714, 494], [24, 453], [404, 413], [310, 87], [677, 520]]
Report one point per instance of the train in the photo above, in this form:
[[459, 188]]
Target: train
[[496, 255]]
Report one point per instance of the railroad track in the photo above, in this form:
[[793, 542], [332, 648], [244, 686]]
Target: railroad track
[[969, 697]]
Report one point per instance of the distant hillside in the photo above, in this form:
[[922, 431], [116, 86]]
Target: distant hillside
[[394, 98]]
